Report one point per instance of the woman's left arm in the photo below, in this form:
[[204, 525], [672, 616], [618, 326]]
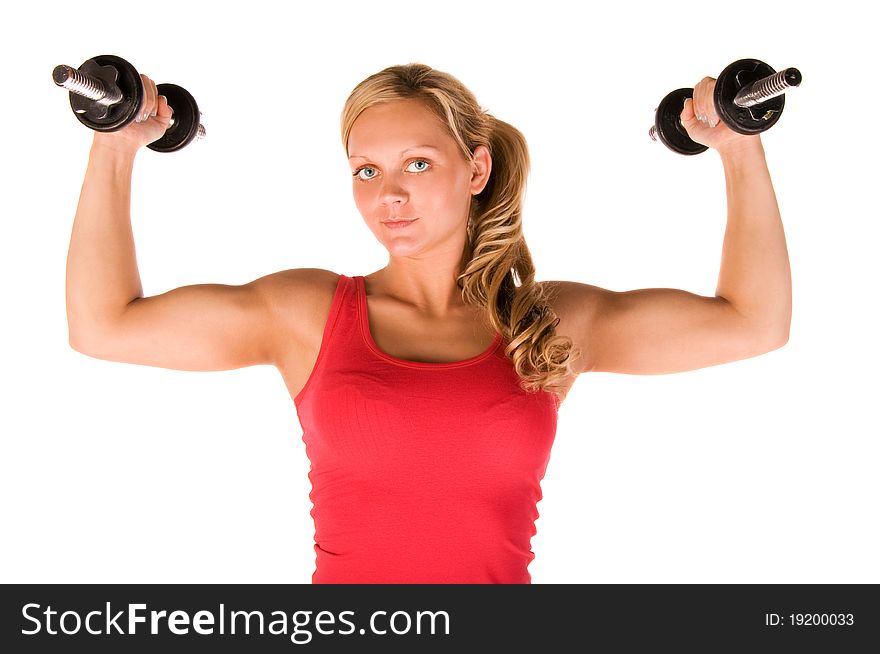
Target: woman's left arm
[[664, 330], [755, 273]]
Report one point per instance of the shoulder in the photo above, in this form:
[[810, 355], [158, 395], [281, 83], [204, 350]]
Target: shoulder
[[573, 300], [299, 296], [301, 285], [579, 308]]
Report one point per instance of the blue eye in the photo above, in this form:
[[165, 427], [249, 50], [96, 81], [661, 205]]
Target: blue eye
[[356, 173]]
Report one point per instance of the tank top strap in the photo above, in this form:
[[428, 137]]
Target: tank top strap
[[347, 328], [340, 332]]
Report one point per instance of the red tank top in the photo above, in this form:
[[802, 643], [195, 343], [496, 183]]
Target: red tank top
[[420, 472]]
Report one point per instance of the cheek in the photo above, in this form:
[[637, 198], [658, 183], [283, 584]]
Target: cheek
[[360, 199], [368, 208]]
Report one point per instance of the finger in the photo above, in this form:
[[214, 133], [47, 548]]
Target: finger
[[711, 112], [697, 107], [164, 111], [144, 85], [688, 117], [155, 100], [154, 95], [150, 99], [687, 112], [146, 107], [700, 101]]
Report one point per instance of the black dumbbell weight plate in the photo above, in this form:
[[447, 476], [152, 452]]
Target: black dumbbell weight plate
[[748, 120], [668, 125], [186, 119], [111, 70]]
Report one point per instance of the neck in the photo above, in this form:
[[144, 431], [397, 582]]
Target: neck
[[421, 284]]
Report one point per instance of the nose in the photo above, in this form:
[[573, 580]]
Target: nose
[[392, 192]]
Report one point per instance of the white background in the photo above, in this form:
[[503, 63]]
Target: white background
[[762, 470]]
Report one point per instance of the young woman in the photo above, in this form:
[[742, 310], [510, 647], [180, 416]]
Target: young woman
[[428, 390]]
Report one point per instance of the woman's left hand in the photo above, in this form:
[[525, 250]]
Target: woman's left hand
[[702, 124]]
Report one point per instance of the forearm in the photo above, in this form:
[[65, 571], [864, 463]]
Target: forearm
[[102, 272], [755, 272]]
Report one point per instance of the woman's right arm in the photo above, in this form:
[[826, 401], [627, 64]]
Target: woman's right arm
[[200, 327]]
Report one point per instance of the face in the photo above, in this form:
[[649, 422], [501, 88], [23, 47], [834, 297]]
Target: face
[[404, 165]]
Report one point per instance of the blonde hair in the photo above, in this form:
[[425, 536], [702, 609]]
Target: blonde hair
[[496, 266]]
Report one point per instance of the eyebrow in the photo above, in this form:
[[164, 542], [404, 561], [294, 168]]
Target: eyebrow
[[415, 147]]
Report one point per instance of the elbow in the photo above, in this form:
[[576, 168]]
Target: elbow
[[77, 332], [767, 339], [784, 332], [81, 341], [778, 338], [72, 338], [76, 343]]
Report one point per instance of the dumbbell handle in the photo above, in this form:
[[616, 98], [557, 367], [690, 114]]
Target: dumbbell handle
[[89, 86], [76, 81], [767, 88], [760, 90]]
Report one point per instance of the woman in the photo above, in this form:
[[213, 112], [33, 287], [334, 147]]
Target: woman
[[428, 391]]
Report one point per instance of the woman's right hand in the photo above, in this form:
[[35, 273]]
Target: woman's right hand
[[150, 125]]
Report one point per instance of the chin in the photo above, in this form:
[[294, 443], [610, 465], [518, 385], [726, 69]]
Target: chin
[[403, 249]]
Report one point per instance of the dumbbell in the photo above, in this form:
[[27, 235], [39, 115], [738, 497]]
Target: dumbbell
[[106, 94], [748, 99]]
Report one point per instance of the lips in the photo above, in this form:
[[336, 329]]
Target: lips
[[399, 220], [398, 224]]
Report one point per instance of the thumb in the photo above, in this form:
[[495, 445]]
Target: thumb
[[164, 111], [687, 112], [687, 116]]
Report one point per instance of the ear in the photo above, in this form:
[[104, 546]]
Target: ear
[[481, 168]]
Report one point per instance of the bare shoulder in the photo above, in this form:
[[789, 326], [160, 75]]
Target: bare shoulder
[[299, 300], [300, 285], [573, 298], [577, 306]]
